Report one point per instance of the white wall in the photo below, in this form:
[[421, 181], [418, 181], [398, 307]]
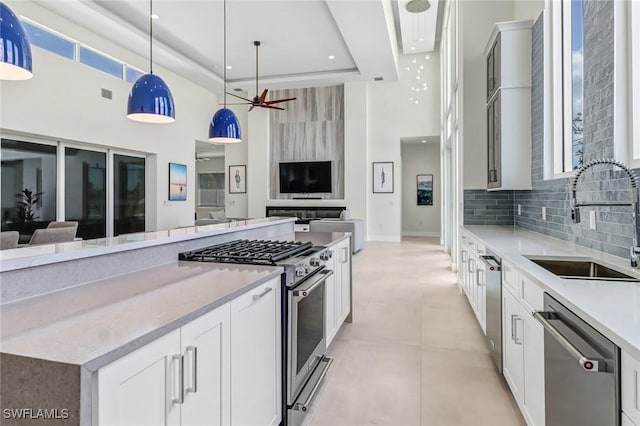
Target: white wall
[[62, 102], [236, 205], [420, 159], [477, 19], [390, 117], [527, 9]]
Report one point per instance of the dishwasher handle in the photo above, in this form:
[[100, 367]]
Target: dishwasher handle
[[492, 263], [591, 365]]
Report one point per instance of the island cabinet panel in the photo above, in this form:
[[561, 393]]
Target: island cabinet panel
[[256, 357], [139, 388]]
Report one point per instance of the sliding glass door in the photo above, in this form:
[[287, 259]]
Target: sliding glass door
[[86, 191], [128, 194]]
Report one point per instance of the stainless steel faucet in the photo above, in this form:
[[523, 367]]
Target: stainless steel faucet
[[575, 207]]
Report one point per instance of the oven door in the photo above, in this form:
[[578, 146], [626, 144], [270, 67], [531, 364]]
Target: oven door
[[306, 330]]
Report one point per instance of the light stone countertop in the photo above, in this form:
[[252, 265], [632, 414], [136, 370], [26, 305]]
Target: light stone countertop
[[30, 256], [322, 238], [94, 324], [612, 308]]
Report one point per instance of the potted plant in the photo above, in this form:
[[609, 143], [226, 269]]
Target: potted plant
[[27, 201]]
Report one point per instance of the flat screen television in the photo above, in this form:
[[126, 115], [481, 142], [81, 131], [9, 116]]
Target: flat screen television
[[305, 177]]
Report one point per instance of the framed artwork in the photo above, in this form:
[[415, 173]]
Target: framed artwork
[[383, 177], [177, 182], [425, 190], [238, 179]]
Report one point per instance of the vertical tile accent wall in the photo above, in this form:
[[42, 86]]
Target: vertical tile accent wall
[[488, 208], [310, 129], [601, 183]]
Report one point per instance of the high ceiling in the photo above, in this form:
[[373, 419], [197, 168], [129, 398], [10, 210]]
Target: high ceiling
[[298, 37]]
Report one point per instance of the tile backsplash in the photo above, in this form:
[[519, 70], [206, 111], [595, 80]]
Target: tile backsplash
[[488, 208]]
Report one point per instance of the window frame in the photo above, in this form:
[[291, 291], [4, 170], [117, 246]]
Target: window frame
[[631, 52], [558, 96]]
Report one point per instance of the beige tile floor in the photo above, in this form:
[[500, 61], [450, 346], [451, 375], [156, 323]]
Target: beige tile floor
[[414, 354]]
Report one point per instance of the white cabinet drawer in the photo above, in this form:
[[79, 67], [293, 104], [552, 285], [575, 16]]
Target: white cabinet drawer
[[631, 387], [532, 293], [510, 278]]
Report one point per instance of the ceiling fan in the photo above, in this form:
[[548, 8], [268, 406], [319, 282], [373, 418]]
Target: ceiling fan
[[260, 101]]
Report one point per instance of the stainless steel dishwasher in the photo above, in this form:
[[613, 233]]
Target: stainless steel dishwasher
[[493, 288], [581, 370]]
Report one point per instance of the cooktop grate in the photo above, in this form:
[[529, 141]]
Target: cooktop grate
[[262, 252]]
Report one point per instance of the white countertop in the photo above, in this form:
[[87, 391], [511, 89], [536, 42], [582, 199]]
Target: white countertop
[[29, 256], [612, 308], [93, 324]]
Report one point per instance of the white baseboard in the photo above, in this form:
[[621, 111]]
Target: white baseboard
[[421, 234], [384, 238]]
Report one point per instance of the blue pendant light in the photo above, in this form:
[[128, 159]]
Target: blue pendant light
[[224, 126], [150, 100], [15, 47]]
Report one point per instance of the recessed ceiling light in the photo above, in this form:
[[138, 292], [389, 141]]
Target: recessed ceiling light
[[408, 68], [416, 102], [229, 67], [423, 141], [427, 57], [331, 57], [413, 48], [155, 16], [413, 61]]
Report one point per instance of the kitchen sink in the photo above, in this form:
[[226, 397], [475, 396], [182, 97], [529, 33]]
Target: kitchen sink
[[583, 269]]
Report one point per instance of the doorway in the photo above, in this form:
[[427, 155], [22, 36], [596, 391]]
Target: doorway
[[421, 186]]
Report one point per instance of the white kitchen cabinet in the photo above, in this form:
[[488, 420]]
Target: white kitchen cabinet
[[523, 345], [331, 321], [479, 307], [344, 261], [533, 341], [513, 344], [338, 288], [223, 368], [508, 55], [255, 357], [630, 376], [143, 387], [206, 344]]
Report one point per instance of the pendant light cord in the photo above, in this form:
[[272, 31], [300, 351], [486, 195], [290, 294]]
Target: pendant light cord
[[257, 46], [151, 36], [224, 38]]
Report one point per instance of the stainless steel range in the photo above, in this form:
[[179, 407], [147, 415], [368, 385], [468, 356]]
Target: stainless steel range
[[304, 364]]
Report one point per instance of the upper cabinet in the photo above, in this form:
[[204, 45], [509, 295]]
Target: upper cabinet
[[508, 106]]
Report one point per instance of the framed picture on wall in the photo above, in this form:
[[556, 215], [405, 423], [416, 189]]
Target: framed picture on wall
[[177, 182], [237, 179], [425, 190], [383, 177]]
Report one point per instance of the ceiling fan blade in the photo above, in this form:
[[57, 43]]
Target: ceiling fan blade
[[263, 96], [271, 107], [251, 107], [278, 101], [239, 97]]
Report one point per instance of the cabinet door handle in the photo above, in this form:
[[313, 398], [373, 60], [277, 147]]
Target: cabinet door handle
[[472, 265], [261, 295], [514, 330], [345, 258], [464, 256], [179, 379], [193, 350], [479, 272]]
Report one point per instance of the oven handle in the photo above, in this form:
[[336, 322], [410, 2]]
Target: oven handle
[[304, 292], [588, 364]]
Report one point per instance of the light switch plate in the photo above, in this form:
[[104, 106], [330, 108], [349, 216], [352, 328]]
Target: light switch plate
[[544, 213], [592, 219]]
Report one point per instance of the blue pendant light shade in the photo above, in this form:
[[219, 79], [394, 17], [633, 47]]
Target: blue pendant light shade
[[15, 47], [150, 101], [224, 127]]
